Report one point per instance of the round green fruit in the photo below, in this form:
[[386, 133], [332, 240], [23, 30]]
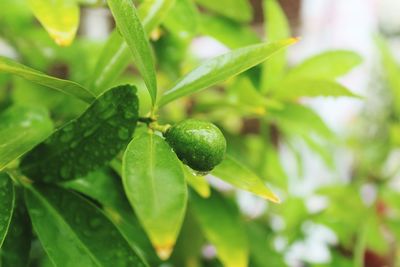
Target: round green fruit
[[199, 144]]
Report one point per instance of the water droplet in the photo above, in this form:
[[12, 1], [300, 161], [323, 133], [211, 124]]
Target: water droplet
[[103, 139], [128, 114], [107, 113], [66, 136], [65, 172], [89, 132], [123, 133], [74, 144], [199, 173], [95, 223]]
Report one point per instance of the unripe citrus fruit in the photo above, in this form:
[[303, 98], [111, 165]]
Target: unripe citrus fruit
[[199, 144]]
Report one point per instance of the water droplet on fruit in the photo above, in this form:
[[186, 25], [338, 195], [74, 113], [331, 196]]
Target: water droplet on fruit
[[199, 173], [95, 223]]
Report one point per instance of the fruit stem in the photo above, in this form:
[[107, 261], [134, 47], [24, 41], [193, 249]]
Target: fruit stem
[[158, 127], [146, 120]]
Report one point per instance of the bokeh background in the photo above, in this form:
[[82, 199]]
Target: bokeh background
[[363, 166]]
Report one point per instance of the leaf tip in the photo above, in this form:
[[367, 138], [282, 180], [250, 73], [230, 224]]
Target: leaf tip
[[164, 251], [272, 197], [294, 40]]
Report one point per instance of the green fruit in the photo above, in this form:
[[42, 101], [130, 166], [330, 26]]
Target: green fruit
[[198, 144]]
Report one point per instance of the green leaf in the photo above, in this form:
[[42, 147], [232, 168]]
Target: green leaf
[[7, 200], [21, 128], [222, 67], [88, 142], [152, 12], [60, 18], [231, 171], [277, 28], [197, 182], [227, 31], [391, 71], [182, 19], [220, 223], [84, 236], [65, 86], [328, 65], [16, 246], [239, 10], [107, 189], [156, 188], [299, 119], [310, 87], [132, 31], [261, 247], [116, 56]]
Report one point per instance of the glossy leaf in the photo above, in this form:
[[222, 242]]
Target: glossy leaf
[[239, 10], [116, 56], [65, 86], [221, 224], [60, 18], [197, 182], [293, 88], [16, 246], [80, 228], [222, 67], [132, 31], [107, 189], [328, 65], [7, 199], [276, 28], [88, 142], [156, 188], [231, 171], [21, 128]]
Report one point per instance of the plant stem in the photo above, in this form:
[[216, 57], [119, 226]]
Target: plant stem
[[157, 127]]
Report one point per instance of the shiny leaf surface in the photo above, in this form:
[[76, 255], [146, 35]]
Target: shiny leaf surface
[[107, 189], [132, 31], [233, 172], [116, 56], [223, 67], [22, 128], [72, 230], [155, 186], [88, 142], [60, 18], [67, 87]]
